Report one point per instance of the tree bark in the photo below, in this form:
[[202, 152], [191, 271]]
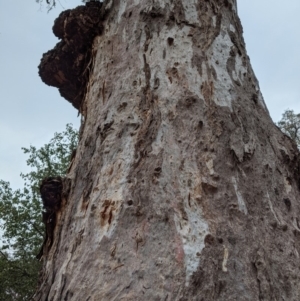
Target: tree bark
[[182, 187]]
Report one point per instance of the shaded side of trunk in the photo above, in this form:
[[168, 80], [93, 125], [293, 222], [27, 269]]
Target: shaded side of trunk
[[182, 187]]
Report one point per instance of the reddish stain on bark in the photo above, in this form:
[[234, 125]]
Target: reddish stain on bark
[[179, 252]]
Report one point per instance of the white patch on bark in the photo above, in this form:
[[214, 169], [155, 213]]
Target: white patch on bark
[[192, 227], [109, 5], [210, 166], [111, 181], [192, 232], [261, 101], [162, 3], [156, 145], [287, 185], [249, 148], [225, 259], [232, 28], [155, 5], [271, 207], [220, 53], [234, 5], [178, 56], [190, 11], [214, 20], [294, 223], [124, 34], [122, 9], [240, 70], [241, 202]]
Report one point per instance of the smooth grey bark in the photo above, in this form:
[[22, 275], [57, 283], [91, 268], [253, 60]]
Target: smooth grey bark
[[182, 187]]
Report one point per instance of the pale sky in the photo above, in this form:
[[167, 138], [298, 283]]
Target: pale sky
[[31, 111]]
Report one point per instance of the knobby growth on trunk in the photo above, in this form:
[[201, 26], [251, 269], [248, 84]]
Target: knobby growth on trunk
[[67, 66], [182, 188], [51, 190]]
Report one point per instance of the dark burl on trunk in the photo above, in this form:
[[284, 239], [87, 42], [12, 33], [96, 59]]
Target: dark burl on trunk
[[51, 193], [67, 66]]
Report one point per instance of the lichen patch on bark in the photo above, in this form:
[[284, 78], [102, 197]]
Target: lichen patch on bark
[[192, 229]]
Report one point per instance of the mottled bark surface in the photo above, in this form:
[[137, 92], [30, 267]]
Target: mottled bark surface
[[182, 187]]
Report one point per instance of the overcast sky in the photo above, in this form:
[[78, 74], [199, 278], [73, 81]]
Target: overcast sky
[[31, 112]]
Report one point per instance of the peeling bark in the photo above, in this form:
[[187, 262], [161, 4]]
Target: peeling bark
[[182, 188]]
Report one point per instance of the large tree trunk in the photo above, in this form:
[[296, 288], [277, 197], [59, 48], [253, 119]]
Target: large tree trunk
[[182, 187]]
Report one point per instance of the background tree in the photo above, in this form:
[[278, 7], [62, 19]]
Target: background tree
[[290, 125], [20, 215]]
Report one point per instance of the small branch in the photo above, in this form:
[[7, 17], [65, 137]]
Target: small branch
[[4, 255], [35, 228]]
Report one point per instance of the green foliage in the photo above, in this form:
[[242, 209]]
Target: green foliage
[[290, 125], [20, 216], [18, 277]]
